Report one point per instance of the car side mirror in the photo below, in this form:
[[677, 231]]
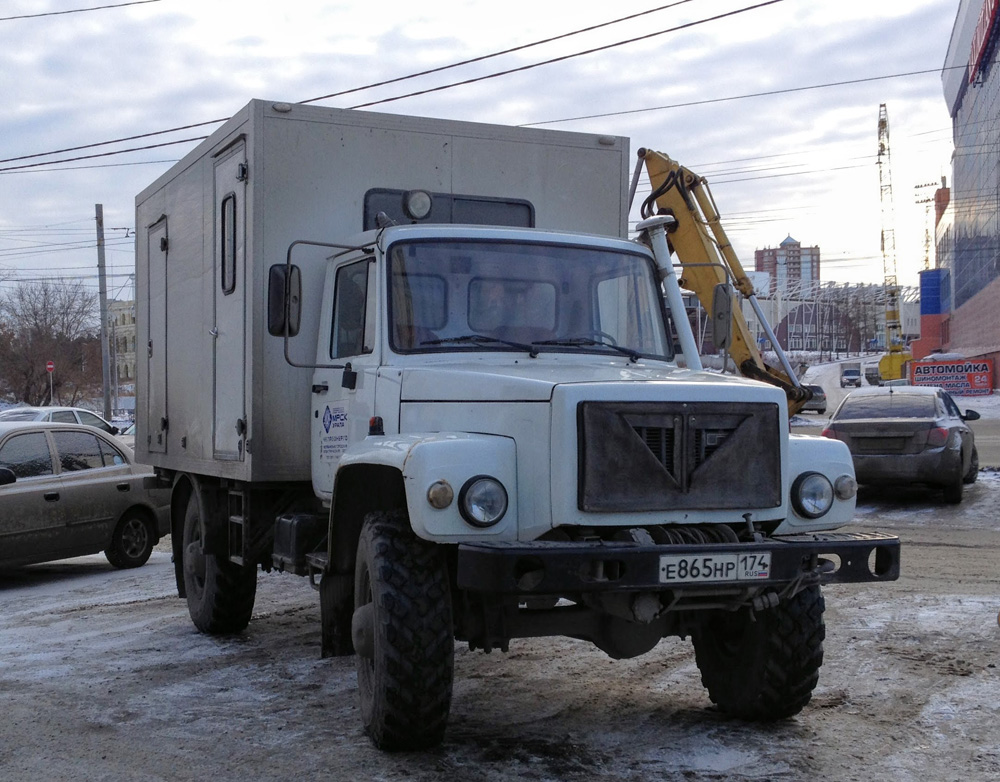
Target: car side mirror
[[115, 430], [970, 415], [284, 300], [6, 476]]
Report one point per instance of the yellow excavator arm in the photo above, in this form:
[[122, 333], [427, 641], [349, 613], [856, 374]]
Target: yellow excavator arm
[[707, 259]]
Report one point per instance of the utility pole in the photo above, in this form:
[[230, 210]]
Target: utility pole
[[102, 277]]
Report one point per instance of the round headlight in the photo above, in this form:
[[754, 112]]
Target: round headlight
[[482, 501], [812, 495]]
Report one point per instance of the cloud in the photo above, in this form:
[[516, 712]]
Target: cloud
[[805, 161]]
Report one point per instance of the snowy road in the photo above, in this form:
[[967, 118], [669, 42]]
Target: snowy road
[[104, 678]]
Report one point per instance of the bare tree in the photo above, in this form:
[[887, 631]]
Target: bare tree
[[42, 322]]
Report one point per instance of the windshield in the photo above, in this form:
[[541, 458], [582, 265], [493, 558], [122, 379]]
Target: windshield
[[467, 295]]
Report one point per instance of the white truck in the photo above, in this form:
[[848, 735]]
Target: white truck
[[419, 363]]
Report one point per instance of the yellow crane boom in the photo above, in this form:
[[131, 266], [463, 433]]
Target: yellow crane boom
[[707, 259]]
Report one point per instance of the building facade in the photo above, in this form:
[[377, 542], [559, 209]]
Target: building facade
[[968, 233], [790, 265], [121, 334]]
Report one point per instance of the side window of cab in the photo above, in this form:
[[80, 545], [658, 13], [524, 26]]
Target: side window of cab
[[353, 311]]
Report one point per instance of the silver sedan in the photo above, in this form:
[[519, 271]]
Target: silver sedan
[[67, 490]]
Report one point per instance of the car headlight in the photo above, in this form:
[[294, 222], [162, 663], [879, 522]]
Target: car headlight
[[482, 501], [812, 495]]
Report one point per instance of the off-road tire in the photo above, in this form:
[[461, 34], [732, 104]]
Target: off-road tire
[[336, 600], [405, 689], [763, 667], [973, 473], [220, 594], [132, 541]]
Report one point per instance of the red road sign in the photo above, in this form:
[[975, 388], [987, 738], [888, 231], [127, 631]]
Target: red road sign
[[50, 366]]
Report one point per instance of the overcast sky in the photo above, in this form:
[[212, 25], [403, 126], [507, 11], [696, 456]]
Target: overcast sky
[[776, 104]]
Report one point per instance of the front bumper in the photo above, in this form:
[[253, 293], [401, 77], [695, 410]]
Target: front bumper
[[560, 568]]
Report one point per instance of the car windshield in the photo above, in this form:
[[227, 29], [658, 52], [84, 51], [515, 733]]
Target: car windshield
[[466, 295], [887, 406]]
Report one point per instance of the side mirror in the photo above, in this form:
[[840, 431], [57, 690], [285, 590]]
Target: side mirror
[[115, 430], [6, 476], [970, 415], [722, 315], [284, 300]]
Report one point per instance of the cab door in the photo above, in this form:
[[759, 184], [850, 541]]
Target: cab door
[[343, 400]]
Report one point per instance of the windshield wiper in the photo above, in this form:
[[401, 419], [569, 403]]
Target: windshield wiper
[[482, 339], [633, 355]]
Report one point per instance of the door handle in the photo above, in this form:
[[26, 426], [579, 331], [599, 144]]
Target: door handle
[[51, 496], [123, 487], [320, 388]]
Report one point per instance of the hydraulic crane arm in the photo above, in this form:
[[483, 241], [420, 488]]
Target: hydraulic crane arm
[[707, 259]]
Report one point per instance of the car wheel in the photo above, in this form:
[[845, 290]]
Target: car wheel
[[220, 593], [132, 541], [403, 635], [763, 665], [822, 411], [973, 473], [953, 491]]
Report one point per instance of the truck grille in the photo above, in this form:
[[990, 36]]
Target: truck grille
[[638, 456]]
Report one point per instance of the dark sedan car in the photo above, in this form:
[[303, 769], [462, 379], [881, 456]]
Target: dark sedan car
[[908, 434], [67, 490]]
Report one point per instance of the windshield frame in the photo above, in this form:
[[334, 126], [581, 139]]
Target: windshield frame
[[654, 317]]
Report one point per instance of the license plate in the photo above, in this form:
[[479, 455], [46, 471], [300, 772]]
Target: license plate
[[693, 568]]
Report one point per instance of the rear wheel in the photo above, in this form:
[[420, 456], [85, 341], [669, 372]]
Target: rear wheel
[[132, 541], [763, 666], [220, 594], [973, 473], [403, 635], [953, 491]]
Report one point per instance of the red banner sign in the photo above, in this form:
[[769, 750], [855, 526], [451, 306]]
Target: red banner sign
[[981, 36], [959, 377]]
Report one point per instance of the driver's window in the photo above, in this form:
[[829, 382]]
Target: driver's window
[[27, 455], [353, 311]]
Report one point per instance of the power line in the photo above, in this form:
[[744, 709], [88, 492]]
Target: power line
[[398, 79], [708, 101], [569, 56], [493, 55], [76, 10], [102, 154]]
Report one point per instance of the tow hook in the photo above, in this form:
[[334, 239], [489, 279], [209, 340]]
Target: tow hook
[[363, 631]]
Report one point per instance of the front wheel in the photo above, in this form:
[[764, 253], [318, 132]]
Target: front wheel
[[220, 594], [403, 634], [763, 665], [132, 541]]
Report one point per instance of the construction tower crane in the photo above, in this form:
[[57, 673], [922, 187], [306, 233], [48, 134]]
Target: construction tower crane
[[892, 365]]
